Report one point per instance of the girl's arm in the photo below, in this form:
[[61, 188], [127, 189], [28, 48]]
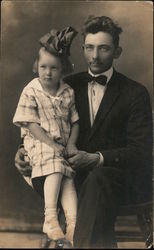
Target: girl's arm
[[71, 147], [40, 135], [74, 134]]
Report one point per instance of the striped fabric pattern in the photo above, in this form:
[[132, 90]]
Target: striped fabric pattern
[[55, 115]]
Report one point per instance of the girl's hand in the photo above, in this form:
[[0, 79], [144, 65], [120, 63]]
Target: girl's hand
[[71, 150], [59, 148]]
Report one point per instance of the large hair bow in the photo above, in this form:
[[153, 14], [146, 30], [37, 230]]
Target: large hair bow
[[59, 41]]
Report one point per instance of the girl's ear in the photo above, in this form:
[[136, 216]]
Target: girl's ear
[[117, 52]]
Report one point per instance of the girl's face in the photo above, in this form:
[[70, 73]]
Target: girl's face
[[49, 69]]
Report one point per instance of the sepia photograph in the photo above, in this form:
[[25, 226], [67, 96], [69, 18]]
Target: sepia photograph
[[76, 124]]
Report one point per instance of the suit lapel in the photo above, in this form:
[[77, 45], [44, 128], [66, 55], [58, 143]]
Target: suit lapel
[[84, 106], [110, 96]]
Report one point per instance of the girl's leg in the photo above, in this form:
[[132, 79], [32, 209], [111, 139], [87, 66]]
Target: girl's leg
[[51, 225], [69, 204]]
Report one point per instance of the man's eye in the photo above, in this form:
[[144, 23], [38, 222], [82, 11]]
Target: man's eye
[[88, 47], [104, 48], [42, 66]]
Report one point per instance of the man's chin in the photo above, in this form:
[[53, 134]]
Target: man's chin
[[96, 70]]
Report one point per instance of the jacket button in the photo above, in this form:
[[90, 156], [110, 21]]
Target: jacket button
[[116, 159]]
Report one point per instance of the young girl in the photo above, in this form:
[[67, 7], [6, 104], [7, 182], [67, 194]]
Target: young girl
[[49, 124]]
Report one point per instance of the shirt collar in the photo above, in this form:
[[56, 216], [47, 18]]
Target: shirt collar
[[107, 73]]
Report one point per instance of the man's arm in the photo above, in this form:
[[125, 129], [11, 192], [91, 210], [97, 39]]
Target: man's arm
[[139, 134], [139, 142], [23, 167], [81, 159]]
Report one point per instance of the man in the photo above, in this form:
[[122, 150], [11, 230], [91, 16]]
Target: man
[[114, 161]]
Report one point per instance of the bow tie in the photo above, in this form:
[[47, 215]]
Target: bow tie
[[99, 79]]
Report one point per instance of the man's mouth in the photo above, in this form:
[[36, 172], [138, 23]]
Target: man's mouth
[[95, 63]]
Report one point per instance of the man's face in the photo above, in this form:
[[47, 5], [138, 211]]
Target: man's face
[[99, 51]]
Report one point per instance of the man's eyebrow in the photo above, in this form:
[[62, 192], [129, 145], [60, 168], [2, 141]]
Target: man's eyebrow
[[99, 45], [104, 45]]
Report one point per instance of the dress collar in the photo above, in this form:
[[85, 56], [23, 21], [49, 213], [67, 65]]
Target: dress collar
[[35, 83]]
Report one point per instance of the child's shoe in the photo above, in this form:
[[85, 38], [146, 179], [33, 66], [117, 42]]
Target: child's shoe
[[70, 233], [52, 228], [63, 244]]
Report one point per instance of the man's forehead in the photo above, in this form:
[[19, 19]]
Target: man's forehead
[[99, 38]]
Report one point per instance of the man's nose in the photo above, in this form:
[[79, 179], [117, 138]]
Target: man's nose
[[95, 53]]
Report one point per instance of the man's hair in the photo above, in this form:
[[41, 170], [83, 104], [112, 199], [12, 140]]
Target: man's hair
[[96, 24]]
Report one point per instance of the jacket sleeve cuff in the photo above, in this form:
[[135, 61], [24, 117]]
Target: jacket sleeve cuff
[[101, 159], [21, 146]]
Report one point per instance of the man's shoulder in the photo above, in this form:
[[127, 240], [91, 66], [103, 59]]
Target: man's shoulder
[[125, 79], [129, 83], [75, 79]]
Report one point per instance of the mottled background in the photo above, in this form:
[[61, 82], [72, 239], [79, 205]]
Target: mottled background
[[23, 23]]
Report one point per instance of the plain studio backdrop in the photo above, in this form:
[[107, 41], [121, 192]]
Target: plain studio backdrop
[[23, 23]]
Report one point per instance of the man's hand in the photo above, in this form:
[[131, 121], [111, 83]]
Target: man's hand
[[82, 159], [23, 166]]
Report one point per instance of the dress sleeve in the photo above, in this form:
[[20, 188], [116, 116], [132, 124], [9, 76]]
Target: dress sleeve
[[27, 109], [74, 117]]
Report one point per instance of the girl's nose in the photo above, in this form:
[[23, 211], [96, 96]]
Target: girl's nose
[[48, 71]]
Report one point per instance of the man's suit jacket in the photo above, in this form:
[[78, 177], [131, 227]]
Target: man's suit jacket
[[122, 130]]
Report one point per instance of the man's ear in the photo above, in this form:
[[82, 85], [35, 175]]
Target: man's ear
[[117, 52]]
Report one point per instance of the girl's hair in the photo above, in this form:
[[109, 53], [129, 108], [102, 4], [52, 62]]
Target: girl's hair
[[67, 67], [58, 43]]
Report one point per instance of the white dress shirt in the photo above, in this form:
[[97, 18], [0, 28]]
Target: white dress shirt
[[96, 93]]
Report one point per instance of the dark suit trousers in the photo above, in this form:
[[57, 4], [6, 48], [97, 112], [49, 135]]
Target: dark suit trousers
[[99, 198]]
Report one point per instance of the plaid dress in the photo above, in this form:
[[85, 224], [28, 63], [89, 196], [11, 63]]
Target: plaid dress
[[55, 115]]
